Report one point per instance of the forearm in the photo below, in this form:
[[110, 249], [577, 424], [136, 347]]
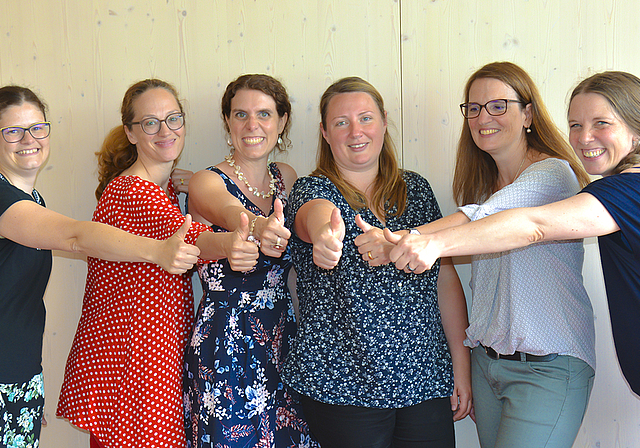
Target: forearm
[[453, 308], [312, 219], [214, 245], [455, 219], [110, 243]]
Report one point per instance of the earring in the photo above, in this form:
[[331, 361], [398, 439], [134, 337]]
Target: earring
[[528, 130], [279, 140], [229, 142]]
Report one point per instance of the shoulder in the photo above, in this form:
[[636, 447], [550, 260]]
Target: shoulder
[[289, 175], [205, 179]]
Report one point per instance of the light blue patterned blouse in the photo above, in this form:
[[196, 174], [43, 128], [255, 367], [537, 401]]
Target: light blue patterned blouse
[[532, 299], [368, 336]]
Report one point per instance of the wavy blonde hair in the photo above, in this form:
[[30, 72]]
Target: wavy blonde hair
[[389, 188]]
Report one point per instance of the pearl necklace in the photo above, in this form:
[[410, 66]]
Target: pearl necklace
[[254, 190]]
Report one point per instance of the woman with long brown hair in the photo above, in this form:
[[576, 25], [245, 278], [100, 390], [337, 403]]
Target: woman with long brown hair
[[378, 356], [123, 375], [531, 324]]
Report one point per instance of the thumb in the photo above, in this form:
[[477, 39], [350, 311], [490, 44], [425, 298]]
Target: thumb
[[391, 237], [243, 228], [278, 210], [184, 228], [336, 221], [364, 226]]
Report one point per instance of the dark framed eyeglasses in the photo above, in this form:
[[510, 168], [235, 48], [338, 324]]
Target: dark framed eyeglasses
[[493, 107], [14, 134], [151, 126]]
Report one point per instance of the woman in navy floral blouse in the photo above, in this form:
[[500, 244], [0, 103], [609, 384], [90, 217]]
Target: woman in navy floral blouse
[[378, 357]]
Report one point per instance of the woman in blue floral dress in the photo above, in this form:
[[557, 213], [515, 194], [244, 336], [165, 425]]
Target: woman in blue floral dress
[[234, 396]]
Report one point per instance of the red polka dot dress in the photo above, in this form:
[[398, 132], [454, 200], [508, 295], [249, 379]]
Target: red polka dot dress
[[122, 381]]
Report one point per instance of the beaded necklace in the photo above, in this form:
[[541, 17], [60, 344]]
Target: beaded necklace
[[254, 190]]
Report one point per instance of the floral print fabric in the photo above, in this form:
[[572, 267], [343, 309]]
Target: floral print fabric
[[21, 408], [368, 336], [234, 396]]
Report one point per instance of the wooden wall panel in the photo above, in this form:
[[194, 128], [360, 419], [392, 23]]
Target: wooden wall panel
[[81, 56], [558, 43]]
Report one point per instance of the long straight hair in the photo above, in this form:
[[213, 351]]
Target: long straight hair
[[389, 189], [476, 173]]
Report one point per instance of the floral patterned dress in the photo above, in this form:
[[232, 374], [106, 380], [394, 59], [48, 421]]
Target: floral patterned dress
[[234, 396]]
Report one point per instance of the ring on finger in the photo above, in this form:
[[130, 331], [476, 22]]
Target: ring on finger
[[278, 246], [181, 181], [369, 255], [410, 268]]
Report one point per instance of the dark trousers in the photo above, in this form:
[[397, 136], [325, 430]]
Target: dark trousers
[[428, 424]]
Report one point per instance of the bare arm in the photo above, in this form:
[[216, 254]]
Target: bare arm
[[580, 216], [211, 203], [319, 222], [32, 225], [453, 310], [234, 246]]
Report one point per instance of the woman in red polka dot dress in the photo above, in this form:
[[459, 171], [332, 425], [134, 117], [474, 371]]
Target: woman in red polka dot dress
[[123, 376]]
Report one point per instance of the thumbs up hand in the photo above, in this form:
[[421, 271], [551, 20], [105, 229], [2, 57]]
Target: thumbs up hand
[[242, 254], [327, 245], [372, 244], [273, 236], [176, 256]]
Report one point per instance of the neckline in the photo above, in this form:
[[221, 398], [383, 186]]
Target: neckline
[[34, 193]]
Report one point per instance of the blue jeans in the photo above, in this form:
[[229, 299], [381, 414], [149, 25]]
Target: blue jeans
[[426, 425], [529, 404]]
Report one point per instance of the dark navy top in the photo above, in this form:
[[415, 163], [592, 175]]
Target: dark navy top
[[24, 274], [368, 336], [620, 255]]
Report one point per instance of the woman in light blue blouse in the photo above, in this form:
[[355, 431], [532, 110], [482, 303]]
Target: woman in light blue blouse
[[378, 357], [531, 324]]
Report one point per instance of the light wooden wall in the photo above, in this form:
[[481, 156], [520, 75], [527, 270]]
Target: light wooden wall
[[81, 57]]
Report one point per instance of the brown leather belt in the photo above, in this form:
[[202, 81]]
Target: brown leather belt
[[519, 356]]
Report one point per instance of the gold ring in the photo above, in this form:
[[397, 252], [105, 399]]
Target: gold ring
[[369, 255], [278, 240], [181, 181]]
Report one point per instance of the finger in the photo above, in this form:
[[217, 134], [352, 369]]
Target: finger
[[184, 228], [364, 226], [278, 210], [243, 228], [336, 223], [391, 237]]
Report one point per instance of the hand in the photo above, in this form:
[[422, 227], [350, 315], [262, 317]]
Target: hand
[[274, 236], [176, 256], [180, 179], [372, 244], [413, 253], [241, 254], [461, 402], [327, 245]]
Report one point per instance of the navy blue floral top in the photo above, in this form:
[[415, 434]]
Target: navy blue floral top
[[368, 336]]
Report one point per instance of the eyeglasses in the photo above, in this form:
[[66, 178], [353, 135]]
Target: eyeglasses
[[494, 108], [151, 126], [14, 134]]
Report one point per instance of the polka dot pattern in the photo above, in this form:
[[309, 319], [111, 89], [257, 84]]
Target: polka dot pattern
[[123, 375]]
